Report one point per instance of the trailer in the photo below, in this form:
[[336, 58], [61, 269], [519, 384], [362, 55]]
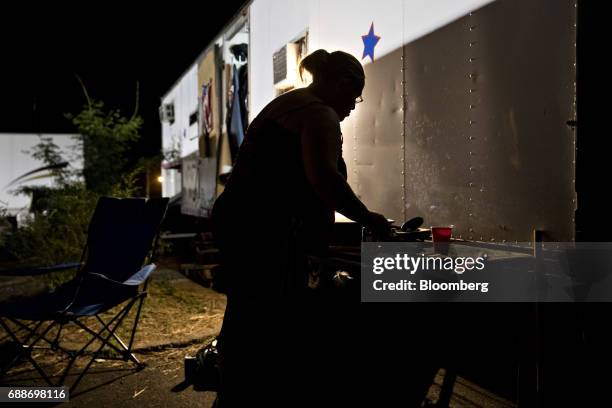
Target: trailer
[[483, 114], [469, 117]]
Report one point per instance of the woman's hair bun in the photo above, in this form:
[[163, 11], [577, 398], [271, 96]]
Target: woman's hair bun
[[315, 63], [338, 65]]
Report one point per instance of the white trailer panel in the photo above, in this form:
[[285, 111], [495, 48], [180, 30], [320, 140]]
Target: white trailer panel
[[15, 161]]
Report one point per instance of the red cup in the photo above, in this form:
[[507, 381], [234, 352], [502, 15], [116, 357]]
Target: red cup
[[441, 234], [441, 237]]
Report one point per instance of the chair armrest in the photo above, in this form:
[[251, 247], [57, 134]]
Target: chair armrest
[[141, 276], [38, 270], [136, 279]]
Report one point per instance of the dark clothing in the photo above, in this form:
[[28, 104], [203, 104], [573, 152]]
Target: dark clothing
[[267, 221], [281, 343], [268, 208]]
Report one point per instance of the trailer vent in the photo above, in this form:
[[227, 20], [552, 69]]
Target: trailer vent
[[166, 113], [193, 118], [285, 66]]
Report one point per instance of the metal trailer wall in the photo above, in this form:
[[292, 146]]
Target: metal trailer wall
[[466, 104], [339, 24], [184, 135], [184, 96], [487, 145], [180, 135], [209, 134]]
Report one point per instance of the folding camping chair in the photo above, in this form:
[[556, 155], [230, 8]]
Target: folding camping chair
[[122, 237]]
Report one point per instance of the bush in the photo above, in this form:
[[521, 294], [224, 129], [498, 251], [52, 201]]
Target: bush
[[57, 231]]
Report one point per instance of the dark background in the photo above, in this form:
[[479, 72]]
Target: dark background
[[111, 47]]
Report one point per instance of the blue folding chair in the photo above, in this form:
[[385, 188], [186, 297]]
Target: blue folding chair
[[122, 237]]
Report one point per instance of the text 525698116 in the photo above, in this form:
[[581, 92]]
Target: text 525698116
[[34, 394]]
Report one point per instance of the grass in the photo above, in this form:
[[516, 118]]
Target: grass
[[175, 311]]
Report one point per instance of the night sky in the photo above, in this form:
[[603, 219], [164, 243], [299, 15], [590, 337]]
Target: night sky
[[110, 47]]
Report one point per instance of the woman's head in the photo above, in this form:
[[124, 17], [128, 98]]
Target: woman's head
[[338, 77]]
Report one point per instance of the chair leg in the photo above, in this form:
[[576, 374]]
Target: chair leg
[[9, 331], [101, 335], [94, 336], [127, 355], [31, 332], [54, 345], [15, 340], [74, 357], [26, 349], [104, 341], [37, 339], [142, 298]]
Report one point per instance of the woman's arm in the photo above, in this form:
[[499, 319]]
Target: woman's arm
[[321, 152]]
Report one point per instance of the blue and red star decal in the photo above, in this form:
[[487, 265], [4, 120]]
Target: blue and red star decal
[[369, 42]]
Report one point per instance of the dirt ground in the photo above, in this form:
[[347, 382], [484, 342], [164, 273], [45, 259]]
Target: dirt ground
[[178, 318]]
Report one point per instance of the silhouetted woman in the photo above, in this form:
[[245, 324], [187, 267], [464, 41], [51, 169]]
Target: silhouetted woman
[[277, 208]]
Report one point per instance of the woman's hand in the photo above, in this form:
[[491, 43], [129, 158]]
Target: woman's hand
[[378, 224]]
